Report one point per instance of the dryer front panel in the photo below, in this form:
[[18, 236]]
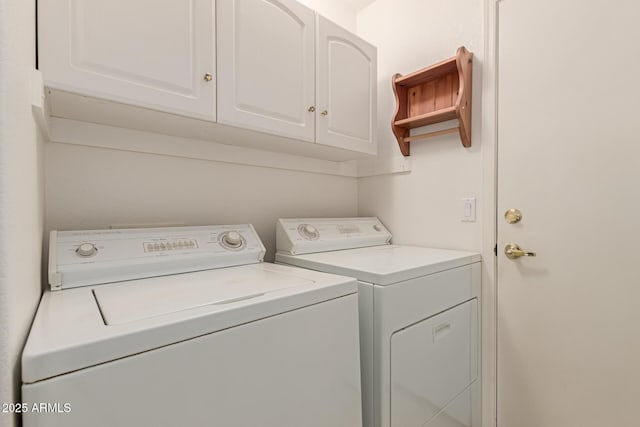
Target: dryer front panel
[[432, 362]]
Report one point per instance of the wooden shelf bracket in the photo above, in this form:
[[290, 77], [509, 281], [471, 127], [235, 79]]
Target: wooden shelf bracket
[[432, 95]]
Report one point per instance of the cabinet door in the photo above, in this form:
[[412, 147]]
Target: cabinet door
[[346, 90], [266, 60], [142, 52]]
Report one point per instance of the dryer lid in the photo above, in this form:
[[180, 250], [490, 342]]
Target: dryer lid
[[382, 265]]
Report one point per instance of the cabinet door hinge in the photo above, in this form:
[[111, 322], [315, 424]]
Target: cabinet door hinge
[[495, 250]]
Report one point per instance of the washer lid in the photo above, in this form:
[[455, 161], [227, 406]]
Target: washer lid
[[382, 265], [143, 299], [82, 327]]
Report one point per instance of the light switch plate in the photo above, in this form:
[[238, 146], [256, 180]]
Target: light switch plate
[[469, 209]]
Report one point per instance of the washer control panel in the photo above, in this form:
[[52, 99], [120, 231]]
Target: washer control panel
[[309, 235], [90, 257], [171, 245]]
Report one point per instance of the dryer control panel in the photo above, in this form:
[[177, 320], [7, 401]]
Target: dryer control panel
[[297, 236], [91, 257]]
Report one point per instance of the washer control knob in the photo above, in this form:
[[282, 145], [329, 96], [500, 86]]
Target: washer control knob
[[377, 227], [308, 231], [86, 250], [233, 239]]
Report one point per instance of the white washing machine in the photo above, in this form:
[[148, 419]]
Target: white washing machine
[[419, 318], [187, 327]]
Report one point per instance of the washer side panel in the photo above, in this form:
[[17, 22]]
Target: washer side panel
[[297, 368]]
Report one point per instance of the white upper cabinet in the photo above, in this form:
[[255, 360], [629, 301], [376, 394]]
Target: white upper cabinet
[[266, 66], [159, 55], [267, 74], [346, 89]]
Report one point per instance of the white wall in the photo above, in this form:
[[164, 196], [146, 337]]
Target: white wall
[[21, 195], [424, 207]]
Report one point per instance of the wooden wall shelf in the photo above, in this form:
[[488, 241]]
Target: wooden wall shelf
[[432, 95]]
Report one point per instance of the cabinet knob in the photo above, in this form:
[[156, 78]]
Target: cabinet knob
[[324, 113], [311, 109], [208, 77]]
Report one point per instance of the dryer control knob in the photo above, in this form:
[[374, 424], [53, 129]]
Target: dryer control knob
[[86, 250], [308, 231], [233, 239], [377, 227]]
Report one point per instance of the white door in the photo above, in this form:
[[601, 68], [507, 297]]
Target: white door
[[569, 160], [346, 90], [266, 60], [141, 52]]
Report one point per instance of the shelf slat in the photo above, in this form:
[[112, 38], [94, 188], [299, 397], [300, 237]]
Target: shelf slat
[[428, 73], [448, 113], [432, 134]]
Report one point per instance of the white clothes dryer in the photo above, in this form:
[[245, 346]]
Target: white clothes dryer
[[419, 318], [186, 326]]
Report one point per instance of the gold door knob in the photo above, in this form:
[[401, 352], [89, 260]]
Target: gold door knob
[[324, 113], [513, 216], [311, 109], [208, 77], [513, 251]]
